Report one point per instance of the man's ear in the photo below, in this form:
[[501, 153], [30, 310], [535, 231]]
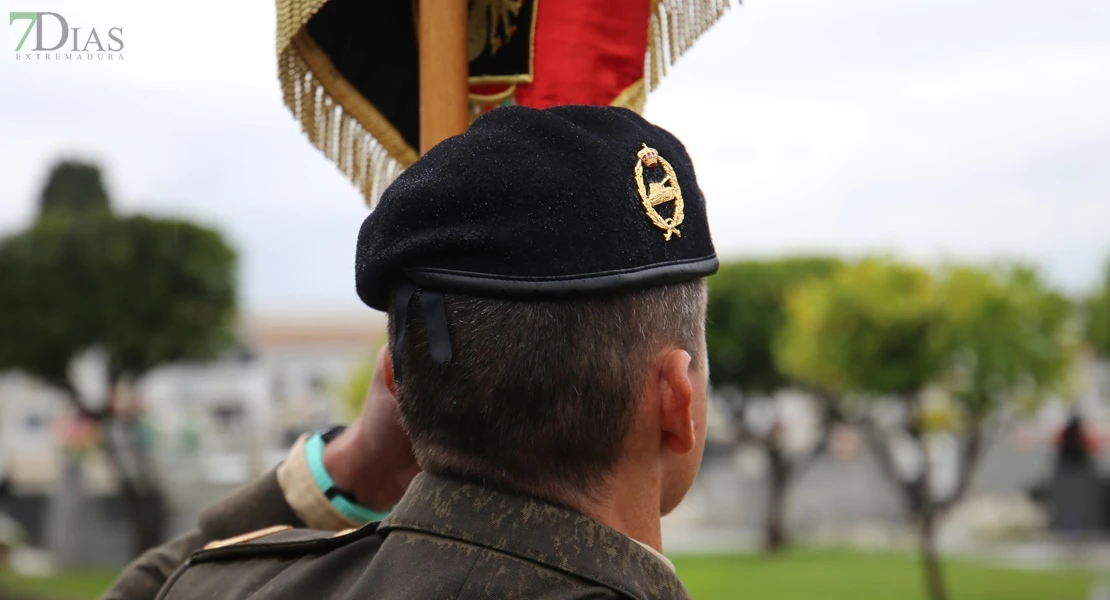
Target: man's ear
[[676, 394], [387, 370]]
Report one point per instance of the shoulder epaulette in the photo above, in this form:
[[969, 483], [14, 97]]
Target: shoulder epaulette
[[280, 540], [247, 537]]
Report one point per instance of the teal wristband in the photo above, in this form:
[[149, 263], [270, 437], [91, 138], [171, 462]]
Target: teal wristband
[[314, 454]]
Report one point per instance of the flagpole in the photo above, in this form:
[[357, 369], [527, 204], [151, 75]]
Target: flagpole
[[443, 71]]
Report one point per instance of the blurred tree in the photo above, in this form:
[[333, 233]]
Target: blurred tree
[[865, 330], [888, 334], [170, 294], [139, 291], [1009, 339], [74, 187], [1098, 318], [746, 313]]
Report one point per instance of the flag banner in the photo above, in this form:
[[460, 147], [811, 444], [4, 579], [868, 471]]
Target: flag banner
[[349, 68]]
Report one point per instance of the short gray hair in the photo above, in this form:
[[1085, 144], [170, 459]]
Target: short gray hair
[[539, 395]]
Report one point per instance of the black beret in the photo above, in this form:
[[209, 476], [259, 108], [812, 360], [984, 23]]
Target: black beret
[[537, 204]]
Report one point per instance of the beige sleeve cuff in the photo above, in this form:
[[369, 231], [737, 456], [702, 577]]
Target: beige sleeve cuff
[[305, 497]]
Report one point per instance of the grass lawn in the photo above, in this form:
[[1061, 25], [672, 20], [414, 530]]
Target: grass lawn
[[76, 585], [848, 575], [800, 575]]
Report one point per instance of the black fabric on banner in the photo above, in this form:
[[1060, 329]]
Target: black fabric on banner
[[373, 45]]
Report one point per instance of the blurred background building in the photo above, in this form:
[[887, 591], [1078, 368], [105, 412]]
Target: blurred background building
[[214, 426]]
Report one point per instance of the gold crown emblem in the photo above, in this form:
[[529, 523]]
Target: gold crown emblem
[[654, 193], [648, 156]]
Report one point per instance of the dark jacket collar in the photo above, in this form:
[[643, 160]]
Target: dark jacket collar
[[533, 530]]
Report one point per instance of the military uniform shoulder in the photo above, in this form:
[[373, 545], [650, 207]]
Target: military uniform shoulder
[[243, 566]]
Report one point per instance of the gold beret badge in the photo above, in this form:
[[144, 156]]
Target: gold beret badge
[[656, 193]]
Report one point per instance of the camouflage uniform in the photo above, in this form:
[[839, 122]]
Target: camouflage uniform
[[446, 539]]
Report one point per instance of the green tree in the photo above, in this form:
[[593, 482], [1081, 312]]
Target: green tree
[[173, 296], [1009, 339], [868, 329], [888, 333], [141, 291], [75, 188], [746, 313]]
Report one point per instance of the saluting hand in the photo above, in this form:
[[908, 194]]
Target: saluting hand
[[373, 458]]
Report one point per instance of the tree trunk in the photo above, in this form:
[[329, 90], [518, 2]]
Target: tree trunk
[[146, 509], [934, 574], [129, 458], [917, 496], [142, 496], [928, 513], [774, 528]]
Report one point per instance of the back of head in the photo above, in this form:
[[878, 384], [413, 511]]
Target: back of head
[[532, 267], [539, 395]]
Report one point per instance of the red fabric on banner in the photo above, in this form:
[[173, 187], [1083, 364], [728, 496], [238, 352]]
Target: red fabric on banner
[[586, 52]]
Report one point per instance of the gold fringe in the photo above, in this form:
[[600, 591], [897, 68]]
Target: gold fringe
[[334, 116], [673, 28]]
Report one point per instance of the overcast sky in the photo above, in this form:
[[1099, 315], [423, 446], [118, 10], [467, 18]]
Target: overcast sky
[[939, 129]]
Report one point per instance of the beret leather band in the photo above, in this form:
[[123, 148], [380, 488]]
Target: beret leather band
[[593, 284]]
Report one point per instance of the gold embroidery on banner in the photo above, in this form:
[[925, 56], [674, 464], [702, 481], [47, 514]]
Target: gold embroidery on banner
[[500, 14], [497, 98], [656, 193], [491, 25]]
